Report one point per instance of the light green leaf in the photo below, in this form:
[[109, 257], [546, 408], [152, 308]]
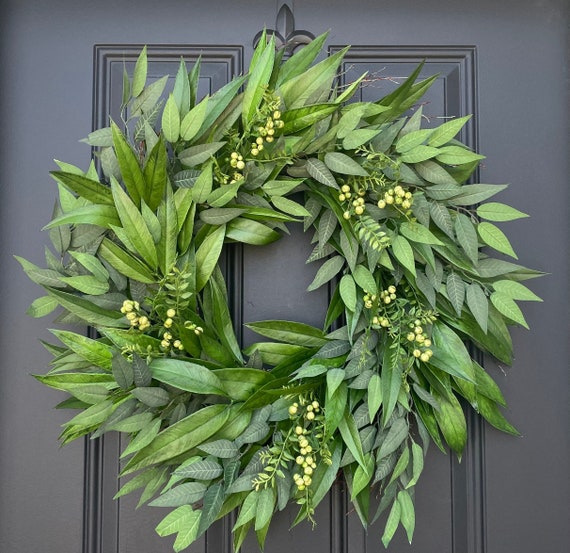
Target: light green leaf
[[407, 513], [412, 139], [328, 270], [467, 236], [434, 172], [455, 291], [131, 171], [251, 232], [223, 449], [134, 225], [478, 305], [347, 289], [153, 396], [419, 153], [193, 120], [186, 375], [450, 354], [392, 523], [451, 422], [265, 506], [334, 379], [320, 172], [171, 120], [417, 464], [444, 133], [344, 164], [203, 469], [507, 307], [181, 89], [41, 307], [182, 436], [195, 155], [515, 290], [495, 238], [207, 256], [125, 263], [289, 206], [418, 233], [365, 279], [495, 211], [188, 531], [148, 99], [374, 396], [403, 253], [139, 75], [258, 81], [350, 436], [474, 193], [457, 155], [87, 284], [87, 188], [290, 332], [223, 195], [247, 510]]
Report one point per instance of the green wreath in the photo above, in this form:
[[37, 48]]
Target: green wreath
[[212, 428]]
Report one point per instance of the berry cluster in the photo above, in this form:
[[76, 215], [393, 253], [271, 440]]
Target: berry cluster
[[420, 339], [266, 132], [399, 198], [356, 205], [136, 317]]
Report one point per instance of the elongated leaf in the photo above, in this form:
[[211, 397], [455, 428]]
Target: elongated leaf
[[515, 290], [251, 232], [507, 307], [140, 72], [494, 211], [328, 270], [124, 262], [207, 256], [475, 193], [347, 288], [403, 253], [290, 332], [186, 375], [195, 155], [193, 120], [85, 187], [418, 233], [351, 438], [478, 305], [131, 171], [258, 81], [392, 523], [495, 237], [344, 164], [457, 155], [450, 354], [321, 173], [444, 133], [451, 422], [455, 291], [407, 513], [180, 437]]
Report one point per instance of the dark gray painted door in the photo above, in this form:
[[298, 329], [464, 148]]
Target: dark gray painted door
[[504, 61]]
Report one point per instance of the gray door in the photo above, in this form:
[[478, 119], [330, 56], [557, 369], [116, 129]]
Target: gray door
[[506, 62]]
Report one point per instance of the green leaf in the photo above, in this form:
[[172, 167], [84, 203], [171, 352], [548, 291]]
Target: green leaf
[[41, 307], [374, 396], [131, 171], [92, 264], [334, 379], [193, 120], [457, 155], [223, 195], [328, 270], [412, 139], [125, 263], [91, 350], [195, 155], [418, 233], [403, 253], [143, 438], [474, 193], [467, 237], [365, 279], [155, 175], [515, 290], [139, 75], [302, 59], [407, 513], [451, 422], [184, 494], [444, 133], [441, 217], [171, 120], [203, 469], [450, 354], [347, 289], [434, 173], [289, 206], [478, 305], [87, 284], [211, 505], [392, 523], [207, 256], [181, 89], [419, 154], [87, 311], [495, 211], [290, 332], [251, 232], [186, 375], [87, 188], [455, 291], [247, 510], [320, 172], [350, 436], [265, 506], [417, 464], [166, 247], [153, 396], [134, 226], [188, 532], [257, 82], [344, 164], [495, 238], [223, 449], [182, 436], [298, 119], [148, 100], [507, 307], [281, 187]]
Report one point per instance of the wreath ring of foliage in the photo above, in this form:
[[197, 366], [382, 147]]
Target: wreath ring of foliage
[[405, 240]]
